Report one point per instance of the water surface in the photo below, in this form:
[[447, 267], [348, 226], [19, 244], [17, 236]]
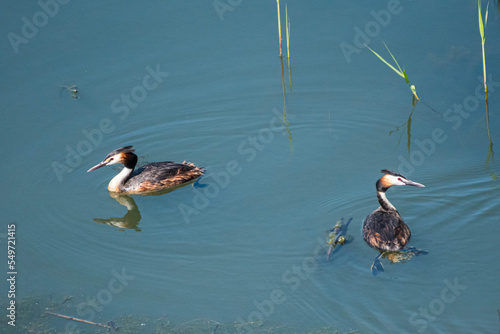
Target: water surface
[[180, 81]]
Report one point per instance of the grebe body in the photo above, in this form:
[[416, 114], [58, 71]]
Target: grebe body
[[384, 229], [148, 178]]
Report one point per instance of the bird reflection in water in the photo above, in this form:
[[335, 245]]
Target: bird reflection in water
[[133, 216], [131, 219]]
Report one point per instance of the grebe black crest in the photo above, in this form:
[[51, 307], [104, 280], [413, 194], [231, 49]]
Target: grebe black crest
[[148, 178]]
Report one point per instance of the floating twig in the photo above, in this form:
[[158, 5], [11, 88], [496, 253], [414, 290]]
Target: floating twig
[[109, 327]]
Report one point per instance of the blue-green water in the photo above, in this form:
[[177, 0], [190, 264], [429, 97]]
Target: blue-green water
[[202, 82]]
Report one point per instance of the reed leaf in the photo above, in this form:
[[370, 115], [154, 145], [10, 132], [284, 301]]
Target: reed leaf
[[481, 25], [406, 77], [483, 38], [393, 58], [399, 72]]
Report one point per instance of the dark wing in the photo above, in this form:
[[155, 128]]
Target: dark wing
[[159, 175], [385, 231], [161, 170], [403, 234]]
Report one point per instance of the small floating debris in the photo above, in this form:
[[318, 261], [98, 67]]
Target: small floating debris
[[336, 236], [110, 326], [72, 89]]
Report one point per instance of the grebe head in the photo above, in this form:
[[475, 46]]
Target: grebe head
[[394, 179], [123, 155]]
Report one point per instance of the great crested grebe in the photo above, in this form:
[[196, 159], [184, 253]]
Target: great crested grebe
[[384, 229], [148, 178]]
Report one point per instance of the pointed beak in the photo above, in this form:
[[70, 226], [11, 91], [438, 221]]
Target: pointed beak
[[99, 165], [411, 183]]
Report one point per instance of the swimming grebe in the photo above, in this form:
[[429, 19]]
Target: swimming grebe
[[384, 229], [149, 178]]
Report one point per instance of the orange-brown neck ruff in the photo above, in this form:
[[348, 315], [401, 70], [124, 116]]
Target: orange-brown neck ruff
[[384, 183], [128, 159]]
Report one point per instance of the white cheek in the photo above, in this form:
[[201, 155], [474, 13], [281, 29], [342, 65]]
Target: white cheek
[[394, 180]]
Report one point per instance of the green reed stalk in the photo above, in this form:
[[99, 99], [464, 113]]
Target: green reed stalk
[[483, 38], [279, 25], [399, 71], [287, 34], [288, 47]]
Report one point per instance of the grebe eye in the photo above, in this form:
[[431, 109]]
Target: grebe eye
[[399, 179]]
